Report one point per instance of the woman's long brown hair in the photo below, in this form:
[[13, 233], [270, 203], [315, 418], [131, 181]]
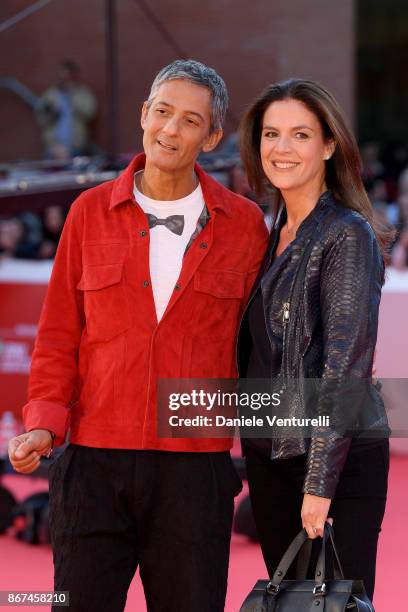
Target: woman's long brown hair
[[343, 169]]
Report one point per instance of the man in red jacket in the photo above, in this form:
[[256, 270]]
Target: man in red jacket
[[150, 279]]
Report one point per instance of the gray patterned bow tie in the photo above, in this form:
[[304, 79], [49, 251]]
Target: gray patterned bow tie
[[175, 223]]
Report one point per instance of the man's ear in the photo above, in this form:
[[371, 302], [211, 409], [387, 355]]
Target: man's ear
[[143, 115], [212, 141], [329, 148]]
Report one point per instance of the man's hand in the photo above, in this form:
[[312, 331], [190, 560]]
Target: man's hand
[[26, 450], [314, 514]]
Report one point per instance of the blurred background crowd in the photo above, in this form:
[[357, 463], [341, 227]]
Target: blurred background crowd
[[28, 234]]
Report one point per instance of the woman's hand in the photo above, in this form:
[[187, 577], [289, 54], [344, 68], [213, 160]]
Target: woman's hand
[[314, 514]]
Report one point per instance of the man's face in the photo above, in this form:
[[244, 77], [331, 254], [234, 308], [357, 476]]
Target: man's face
[[176, 125], [64, 77], [11, 232]]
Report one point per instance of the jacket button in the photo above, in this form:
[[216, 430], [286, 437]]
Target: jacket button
[[146, 283], [319, 573], [279, 573], [203, 245], [178, 287], [317, 602], [143, 233]]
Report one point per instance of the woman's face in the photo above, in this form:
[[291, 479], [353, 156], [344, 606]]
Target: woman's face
[[293, 151]]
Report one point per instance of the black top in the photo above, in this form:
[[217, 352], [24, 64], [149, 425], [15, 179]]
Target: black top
[[265, 357]]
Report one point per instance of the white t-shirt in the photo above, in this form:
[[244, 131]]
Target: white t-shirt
[[167, 248]]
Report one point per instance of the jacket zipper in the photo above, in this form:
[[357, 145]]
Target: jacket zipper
[[285, 320], [294, 297]]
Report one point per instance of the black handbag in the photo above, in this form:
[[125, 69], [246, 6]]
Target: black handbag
[[301, 595]]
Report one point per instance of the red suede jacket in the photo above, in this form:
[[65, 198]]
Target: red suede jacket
[[99, 349]]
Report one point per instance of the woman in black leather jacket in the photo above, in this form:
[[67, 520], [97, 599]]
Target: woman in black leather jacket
[[314, 314]]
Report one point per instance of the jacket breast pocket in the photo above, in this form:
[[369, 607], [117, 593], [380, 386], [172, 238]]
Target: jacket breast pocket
[[220, 283], [214, 308], [210, 324], [105, 301]]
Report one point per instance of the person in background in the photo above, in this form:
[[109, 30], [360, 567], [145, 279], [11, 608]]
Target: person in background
[[395, 159], [64, 113], [20, 236], [11, 235], [53, 219], [403, 182], [239, 184], [377, 194], [314, 314], [399, 256], [372, 167]]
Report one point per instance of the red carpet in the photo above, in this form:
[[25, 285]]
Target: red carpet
[[24, 567]]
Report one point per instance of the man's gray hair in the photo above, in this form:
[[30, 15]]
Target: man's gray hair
[[200, 74]]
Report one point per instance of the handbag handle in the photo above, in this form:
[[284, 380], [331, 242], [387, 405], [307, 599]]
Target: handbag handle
[[303, 560], [321, 562], [273, 586], [304, 556], [286, 561]]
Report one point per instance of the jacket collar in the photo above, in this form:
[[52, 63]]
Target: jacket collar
[[312, 222], [214, 194], [308, 224]]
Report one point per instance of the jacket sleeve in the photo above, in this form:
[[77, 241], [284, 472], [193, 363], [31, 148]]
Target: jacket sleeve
[[259, 242], [350, 291], [54, 361]]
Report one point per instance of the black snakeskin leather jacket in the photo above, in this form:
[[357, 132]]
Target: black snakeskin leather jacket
[[325, 290]]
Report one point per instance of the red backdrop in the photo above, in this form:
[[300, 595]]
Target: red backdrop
[[20, 307]]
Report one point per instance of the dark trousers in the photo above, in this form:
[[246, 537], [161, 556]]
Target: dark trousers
[[168, 513], [357, 508]]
